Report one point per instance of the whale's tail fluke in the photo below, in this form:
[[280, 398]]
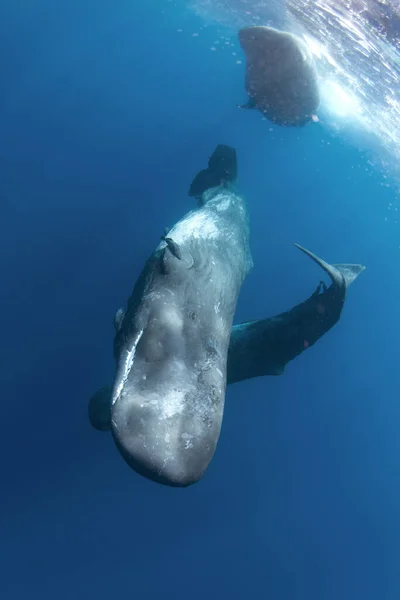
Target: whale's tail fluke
[[350, 272], [222, 168], [340, 273], [266, 346]]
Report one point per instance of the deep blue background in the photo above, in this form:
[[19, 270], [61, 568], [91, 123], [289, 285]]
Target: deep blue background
[[106, 113]]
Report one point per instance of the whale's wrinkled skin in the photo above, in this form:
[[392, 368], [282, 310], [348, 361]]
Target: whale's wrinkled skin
[[171, 345], [264, 347], [281, 78]]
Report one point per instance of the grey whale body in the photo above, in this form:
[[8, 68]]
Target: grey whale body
[[171, 344]]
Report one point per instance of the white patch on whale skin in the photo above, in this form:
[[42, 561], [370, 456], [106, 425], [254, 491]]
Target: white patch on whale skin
[[224, 205], [130, 355], [203, 223], [197, 224], [173, 404], [172, 318]]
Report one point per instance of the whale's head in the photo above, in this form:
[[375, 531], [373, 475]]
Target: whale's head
[[168, 395]]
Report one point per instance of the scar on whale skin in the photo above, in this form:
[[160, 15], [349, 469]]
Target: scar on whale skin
[[266, 346]]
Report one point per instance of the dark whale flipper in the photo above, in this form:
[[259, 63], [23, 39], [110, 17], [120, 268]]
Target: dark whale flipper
[[222, 168], [99, 409], [118, 319], [173, 253], [173, 247], [264, 347]]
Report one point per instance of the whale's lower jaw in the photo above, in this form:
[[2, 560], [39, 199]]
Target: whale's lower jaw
[[172, 477], [169, 438], [173, 474]]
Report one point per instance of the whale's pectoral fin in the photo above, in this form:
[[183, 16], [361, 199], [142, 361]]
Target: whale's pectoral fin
[[99, 409], [173, 247], [251, 103], [175, 257], [118, 319]]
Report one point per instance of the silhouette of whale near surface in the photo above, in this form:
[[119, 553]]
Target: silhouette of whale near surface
[[281, 78]]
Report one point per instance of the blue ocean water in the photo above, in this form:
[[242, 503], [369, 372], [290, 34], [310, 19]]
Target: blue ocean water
[[107, 111]]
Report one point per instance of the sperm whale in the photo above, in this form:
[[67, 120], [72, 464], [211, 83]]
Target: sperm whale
[[281, 77], [265, 346], [171, 343]]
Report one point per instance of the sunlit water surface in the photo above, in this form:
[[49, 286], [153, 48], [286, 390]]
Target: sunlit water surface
[[358, 66]]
